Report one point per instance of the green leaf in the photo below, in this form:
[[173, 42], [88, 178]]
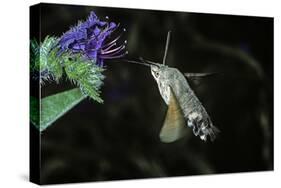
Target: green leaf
[[86, 75], [54, 65], [55, 106], [34, 111], [44, 59]]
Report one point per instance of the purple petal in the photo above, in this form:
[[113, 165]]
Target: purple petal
[[88, 39], [92, 54]]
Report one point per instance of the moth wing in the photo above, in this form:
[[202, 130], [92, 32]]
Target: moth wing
[[197, 77], [174, 125]]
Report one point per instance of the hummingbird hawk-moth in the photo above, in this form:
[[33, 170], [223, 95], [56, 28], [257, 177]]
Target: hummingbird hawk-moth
[[184, 108]]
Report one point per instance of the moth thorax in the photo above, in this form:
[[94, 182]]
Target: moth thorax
[[165, 92]]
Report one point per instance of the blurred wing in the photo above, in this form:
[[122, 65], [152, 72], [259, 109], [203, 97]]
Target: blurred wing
[[174, 124], [200, 75], [196, 77]]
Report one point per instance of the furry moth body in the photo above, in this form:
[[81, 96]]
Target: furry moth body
[[174, 87], [184, 108]]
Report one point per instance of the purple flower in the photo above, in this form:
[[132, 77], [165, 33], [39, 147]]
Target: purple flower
[[91, 38]]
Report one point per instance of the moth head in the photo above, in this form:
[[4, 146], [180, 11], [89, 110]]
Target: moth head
[[156, 71]]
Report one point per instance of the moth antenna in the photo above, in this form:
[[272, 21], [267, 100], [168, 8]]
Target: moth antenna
[[166, 47]]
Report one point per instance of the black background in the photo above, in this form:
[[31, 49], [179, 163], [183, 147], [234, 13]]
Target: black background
[[119, 139]]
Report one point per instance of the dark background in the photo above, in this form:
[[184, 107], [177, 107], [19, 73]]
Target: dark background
[[119, 139]]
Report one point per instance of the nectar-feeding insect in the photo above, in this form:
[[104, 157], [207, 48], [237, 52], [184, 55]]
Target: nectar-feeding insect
[[184, 108]]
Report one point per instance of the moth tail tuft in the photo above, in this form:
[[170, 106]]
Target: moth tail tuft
[[202, 128], [212, 132]]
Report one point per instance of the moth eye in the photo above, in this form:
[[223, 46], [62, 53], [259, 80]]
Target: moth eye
[[155, 73]]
